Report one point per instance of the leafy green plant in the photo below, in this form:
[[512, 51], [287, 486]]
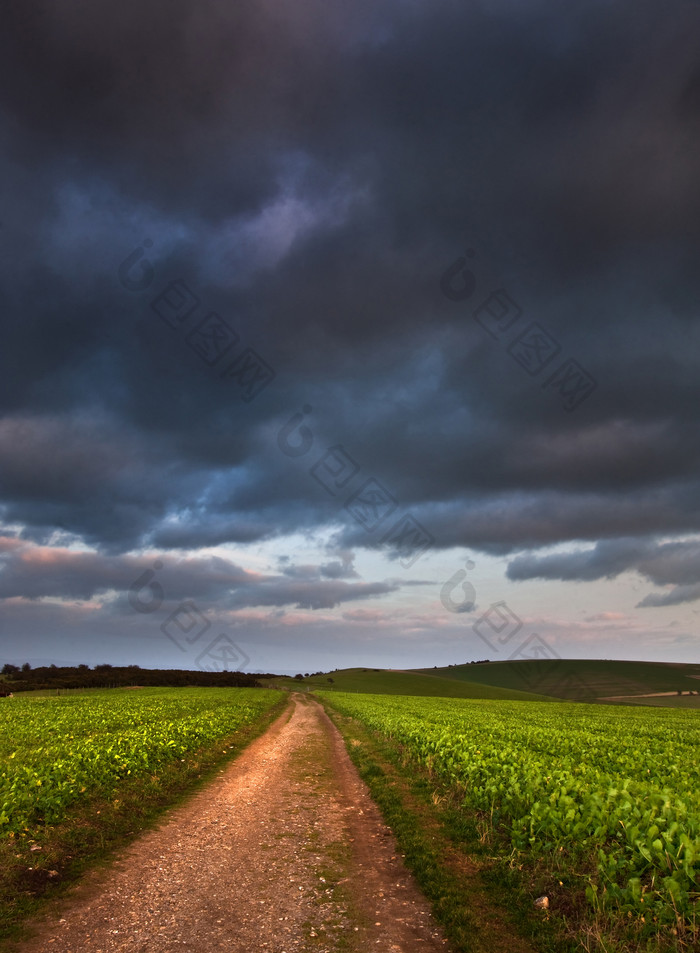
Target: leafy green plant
[[615, 791], [56, 750]]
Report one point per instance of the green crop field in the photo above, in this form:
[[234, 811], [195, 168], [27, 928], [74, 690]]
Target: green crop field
[[611, 795], [56, 751]]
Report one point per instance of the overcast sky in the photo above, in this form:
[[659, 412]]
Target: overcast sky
[[343, 334]]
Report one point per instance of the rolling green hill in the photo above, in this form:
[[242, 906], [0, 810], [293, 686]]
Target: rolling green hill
[[588, 680], [584, 679], [385, 682]]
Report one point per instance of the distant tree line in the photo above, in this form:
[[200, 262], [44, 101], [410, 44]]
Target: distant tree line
[[26, 678]]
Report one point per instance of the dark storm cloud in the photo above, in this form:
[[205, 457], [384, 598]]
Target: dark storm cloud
[[310, 172], [664, 564], [604, 561], [675, 597], [310, 594], [342, 568], [32, 572]]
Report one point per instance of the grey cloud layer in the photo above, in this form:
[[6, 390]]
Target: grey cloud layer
[[664, 564], [310, 171], [33, 572]]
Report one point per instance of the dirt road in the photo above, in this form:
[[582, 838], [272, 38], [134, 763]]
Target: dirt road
[[283, 852]]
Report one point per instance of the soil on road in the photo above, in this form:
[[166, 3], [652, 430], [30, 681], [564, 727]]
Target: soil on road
[[285, 851]]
